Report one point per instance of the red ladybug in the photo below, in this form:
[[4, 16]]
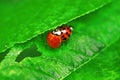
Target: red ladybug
[[57, 36]]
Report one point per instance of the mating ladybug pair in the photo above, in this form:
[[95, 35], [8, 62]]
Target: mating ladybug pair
[[57, 36]]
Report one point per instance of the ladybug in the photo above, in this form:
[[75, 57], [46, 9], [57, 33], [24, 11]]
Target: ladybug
[[57, 36]]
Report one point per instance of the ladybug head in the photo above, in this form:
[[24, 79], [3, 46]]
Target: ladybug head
[[56, 32]]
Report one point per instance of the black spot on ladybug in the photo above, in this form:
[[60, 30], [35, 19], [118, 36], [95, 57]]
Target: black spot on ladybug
[[64, 38], [66, 33], [61, 32], [69, 35], [70, 30]]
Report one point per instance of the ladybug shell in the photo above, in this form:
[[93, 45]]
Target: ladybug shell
[[65, 33], [54, 41]]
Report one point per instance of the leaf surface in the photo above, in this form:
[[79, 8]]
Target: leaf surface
[[103, 67], [89, 38]]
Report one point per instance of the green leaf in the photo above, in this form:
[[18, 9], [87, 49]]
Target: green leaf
[[21, 20], [104, 67], [92, 34]]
